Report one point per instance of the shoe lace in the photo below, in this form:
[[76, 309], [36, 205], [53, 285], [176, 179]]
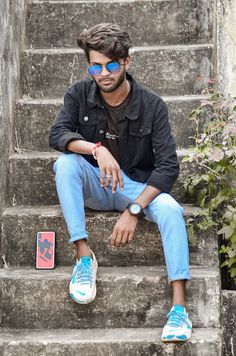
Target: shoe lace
[[83, 273], [176, 319]]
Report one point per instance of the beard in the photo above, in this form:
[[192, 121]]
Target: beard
[[113, 84]]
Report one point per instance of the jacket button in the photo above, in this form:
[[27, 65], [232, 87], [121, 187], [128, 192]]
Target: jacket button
[[101, 131], [86, 118], [141, 130]]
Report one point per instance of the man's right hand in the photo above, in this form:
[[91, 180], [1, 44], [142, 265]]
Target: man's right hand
[[109, 169]]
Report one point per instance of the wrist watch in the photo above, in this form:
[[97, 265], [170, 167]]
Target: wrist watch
[[135, 209]]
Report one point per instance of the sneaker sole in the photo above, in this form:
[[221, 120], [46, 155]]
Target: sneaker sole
[[84, 301], [175, 339]]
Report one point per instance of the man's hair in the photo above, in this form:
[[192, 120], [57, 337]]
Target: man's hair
[[106, 38]]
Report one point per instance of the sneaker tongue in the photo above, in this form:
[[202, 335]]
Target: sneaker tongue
[[179, 308], [85, 259]]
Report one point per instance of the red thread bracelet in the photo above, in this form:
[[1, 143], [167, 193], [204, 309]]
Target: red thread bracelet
[[97, 144]]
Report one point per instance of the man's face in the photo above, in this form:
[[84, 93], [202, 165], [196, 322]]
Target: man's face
[[107, 81]]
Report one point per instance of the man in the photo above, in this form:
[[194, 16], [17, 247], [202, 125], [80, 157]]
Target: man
[[118, 154]]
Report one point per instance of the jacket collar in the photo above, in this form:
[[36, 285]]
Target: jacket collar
[[132, 110]]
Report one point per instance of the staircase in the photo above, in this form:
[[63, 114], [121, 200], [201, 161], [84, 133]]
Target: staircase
[[174, 44]]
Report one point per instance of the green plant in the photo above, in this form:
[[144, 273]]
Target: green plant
[[213, 185]]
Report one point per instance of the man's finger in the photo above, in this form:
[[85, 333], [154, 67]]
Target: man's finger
[[108, 178], [130, 237], [125, 238], [114, 182], [102, 175], [120, 179], [116, 238]]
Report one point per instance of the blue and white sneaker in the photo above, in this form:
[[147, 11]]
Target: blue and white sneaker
[[178, 326], [83, 280]]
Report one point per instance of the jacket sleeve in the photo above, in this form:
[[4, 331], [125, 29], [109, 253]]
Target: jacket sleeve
[[166, 169], [66, 123]]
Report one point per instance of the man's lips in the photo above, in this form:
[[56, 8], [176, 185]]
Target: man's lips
[[107, 81]]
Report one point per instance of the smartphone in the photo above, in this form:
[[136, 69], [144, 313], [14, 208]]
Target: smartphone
[[45, 249]]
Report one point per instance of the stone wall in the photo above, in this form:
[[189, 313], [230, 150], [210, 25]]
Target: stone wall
[[12, 13], [226, 45], [228, 320]]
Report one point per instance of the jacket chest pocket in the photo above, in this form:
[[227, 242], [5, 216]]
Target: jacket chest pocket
[[87, 126], [139, 143], [139, 132]]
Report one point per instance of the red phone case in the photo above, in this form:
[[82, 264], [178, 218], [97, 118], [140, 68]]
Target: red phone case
[[45, 250]]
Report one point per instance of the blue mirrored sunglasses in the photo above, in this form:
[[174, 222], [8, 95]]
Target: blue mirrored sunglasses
[[96, 69]]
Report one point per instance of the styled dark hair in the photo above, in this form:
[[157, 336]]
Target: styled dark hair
[[106, 38]]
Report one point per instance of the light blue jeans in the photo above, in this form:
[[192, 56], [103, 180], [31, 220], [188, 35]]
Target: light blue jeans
[[78, 185]]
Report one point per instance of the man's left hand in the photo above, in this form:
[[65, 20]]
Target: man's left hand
[[124, 229]]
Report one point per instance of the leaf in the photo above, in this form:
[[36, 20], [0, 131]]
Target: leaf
[[223, 249], [233, 272], [232, 261], [224, 264], [185, 159], [191, 235], [215, 97], [202, 197], [196, 181], [193, 113], [220, 198], [231, 253], [226, 231], [233, 238]]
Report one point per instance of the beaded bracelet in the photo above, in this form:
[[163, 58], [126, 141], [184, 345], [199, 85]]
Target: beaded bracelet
[[98, 144]]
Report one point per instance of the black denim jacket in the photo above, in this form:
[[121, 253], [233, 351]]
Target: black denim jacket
[[147, 148]]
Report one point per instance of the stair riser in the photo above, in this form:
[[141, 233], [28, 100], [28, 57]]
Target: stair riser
[[149, 22], [166, 71], [123, 300], [19, 235], [31, 182], [32, 123], [112, 349]]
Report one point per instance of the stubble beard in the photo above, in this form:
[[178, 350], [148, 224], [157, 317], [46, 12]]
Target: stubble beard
[[114, 86]]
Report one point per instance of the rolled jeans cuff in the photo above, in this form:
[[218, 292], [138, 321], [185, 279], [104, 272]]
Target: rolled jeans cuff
[[180, 277], [77, 238]]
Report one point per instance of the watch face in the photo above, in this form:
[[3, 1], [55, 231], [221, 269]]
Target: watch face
[[135, 209]]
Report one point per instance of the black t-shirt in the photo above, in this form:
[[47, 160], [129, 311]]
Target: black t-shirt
[[115, 114]]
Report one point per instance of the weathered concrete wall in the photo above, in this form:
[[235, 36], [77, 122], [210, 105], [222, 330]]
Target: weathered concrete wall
[[12, 21], [228, 319], [226, 45]]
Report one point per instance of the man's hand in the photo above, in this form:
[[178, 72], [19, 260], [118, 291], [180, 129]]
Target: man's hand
[[109, 169], [124, 229]]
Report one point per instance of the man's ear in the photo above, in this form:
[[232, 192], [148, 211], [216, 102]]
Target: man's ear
[[128, 62]]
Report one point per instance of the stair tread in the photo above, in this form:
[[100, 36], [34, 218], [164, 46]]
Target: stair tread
[[99, 335], [55, 210], [133, 272], [29, 154], [59, 100], [178, 47]]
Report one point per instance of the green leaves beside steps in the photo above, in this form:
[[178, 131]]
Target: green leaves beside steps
[[213, 185]]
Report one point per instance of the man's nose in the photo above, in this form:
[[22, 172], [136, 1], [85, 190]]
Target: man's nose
[[105, 72]]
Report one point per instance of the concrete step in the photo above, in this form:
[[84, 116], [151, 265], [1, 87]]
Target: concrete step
[[58, 23], [33, 119], [104, 342], [126, 297], [168, 70], [35, 171], [20, 224]]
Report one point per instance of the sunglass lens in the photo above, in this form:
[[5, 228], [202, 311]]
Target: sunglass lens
[[95, 69], [113, 67]]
